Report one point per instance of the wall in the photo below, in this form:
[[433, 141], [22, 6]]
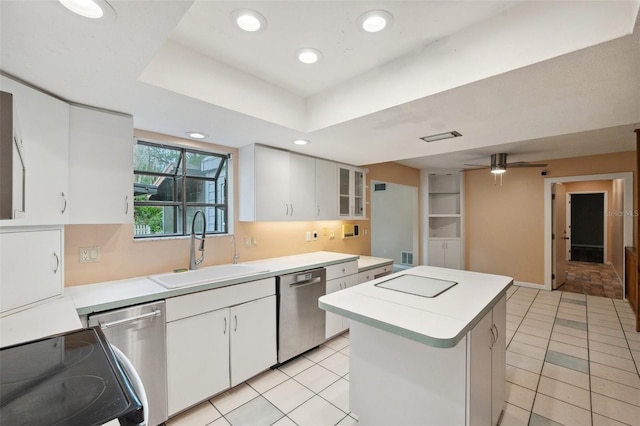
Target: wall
[[504, 224], [122, 257]]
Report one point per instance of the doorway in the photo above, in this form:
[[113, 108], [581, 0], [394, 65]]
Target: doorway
[[616, 231], [587, 226]]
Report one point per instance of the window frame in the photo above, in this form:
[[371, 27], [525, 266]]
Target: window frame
[[181, 176]]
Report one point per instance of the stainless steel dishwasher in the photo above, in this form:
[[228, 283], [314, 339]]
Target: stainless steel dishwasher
[[301, 323], [139, 332]]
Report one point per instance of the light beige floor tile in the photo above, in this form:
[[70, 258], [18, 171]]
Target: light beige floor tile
[[564, 392], [519, 396], [515, 416], [295, 366], [570, 331], [635, 346], [285, 421], [601, 315], [233, 398], [566, 349], [600, 420], [316, 378], [337, 363], [267, 380], [534, 331], [615, 390], [615, 409], [632, 335], [614, 374], [569, 339], [346, 351], [316, 411], [534, 323], [613, 361], [614, 325], [561, 412], [528, 350], [288, 395], [540, 342], [348, 421], [337, 343], [605, 338], [572, 317], [338, 394], [573, 296], [200, 415], [219, 422], [319, 353], [522, 377], [524, 362], [543, 310], [540, 317], [566, 375], [606, 330], [610, 349]]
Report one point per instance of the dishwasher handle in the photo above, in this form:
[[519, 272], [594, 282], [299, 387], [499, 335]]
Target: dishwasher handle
[[305, 283], [106, 325]]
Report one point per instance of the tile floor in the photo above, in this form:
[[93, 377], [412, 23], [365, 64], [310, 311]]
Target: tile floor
[[572, 359], [596, 279]]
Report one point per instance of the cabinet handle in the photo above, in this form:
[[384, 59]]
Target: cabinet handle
[[291, 209], [224, 331], [287, 205], [64, 205], [55, 270], [126, 204], [318, 214], [497, 334], [492, 338], [236, 327]]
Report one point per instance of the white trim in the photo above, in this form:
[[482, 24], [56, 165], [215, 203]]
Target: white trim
[[530, 285], [627, 206]]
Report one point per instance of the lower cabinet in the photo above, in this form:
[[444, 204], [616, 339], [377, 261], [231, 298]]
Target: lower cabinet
[[336, 324], [445, 253], [211, 351]]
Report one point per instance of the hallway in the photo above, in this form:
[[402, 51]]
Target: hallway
[[593, 279]]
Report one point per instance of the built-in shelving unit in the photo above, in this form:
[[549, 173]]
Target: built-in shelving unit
[[445, 220]]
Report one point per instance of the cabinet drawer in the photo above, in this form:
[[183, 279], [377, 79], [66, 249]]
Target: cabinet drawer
[[210, 300], [342, 270], [372, 274]]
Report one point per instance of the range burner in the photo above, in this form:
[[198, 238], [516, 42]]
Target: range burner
[[65, 380]]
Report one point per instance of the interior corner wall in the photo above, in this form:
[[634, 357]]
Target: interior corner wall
[[504, 223]]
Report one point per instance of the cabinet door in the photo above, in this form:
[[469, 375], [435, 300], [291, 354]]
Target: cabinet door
[[302, 181], [436, 253], [272, 184], [345, 191], [358, 202], [334, 323], [253, 338], [31, 268], [44, 125], [100, 167], [197, 358], [498, 359], [453, 254], [326, 190], [479, 391]]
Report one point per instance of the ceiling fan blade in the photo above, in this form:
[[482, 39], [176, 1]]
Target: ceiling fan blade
[[484, 166], [523, 164]]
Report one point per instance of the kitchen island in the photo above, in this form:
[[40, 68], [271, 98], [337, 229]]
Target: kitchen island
[[427, 347]]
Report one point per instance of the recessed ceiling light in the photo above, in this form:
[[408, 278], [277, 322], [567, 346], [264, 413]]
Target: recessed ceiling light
[[440, 136], [375, 21], [92, 9], [308, 55], [301, 142], [197, 135], [249, 20]]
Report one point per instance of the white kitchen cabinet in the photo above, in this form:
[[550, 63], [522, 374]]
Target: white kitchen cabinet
[[351, 192], [487, 348], [275, 185], [44, 125], [100, 167], [253, 343], [197, 358], [445, 253], [31, 267], [372, 274], [217, 339], [326, 190], [339, 277]]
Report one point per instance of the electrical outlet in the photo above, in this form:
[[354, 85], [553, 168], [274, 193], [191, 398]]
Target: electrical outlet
[[315, 235], [254, 241], [308, 236], [89, 254], [247, 242]]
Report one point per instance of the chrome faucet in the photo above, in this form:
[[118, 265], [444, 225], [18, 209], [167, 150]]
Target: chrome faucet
[[193, 262], [235, 252]]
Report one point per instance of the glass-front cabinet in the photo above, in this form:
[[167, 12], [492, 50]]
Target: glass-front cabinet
[[352, 199]]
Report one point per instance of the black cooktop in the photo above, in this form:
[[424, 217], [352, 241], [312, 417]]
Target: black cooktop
[[72, 379]]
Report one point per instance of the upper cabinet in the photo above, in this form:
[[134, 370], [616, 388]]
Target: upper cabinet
[[43, 122], [351, 195], [277, 185], [100, 167]]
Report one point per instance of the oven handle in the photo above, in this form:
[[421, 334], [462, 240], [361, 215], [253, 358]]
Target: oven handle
[[155, 313], [305, 283]]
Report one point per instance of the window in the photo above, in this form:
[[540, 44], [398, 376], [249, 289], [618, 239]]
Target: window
[[171, 184]]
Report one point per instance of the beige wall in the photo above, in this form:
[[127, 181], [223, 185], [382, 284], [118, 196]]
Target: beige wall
[[504, 224], [122, 257]]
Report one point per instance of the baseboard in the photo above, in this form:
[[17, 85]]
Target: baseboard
[[530, 285]]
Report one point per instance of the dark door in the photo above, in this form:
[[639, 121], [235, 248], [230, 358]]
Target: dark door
[[587, 227]]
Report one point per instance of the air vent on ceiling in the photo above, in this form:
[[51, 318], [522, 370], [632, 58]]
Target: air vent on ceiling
[[441, 136]]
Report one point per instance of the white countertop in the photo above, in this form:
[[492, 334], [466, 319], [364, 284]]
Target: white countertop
[[440, 321], [371, 262]]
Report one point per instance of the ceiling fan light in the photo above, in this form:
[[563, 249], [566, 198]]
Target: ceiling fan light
[[498, 163], [496, 170]]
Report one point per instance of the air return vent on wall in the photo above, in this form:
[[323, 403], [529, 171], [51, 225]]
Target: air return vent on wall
[[406, 257]]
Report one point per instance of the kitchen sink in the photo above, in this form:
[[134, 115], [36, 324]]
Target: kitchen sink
[[208, 275]]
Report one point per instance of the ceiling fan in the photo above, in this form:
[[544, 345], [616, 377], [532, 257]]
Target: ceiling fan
[[499, 164]]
